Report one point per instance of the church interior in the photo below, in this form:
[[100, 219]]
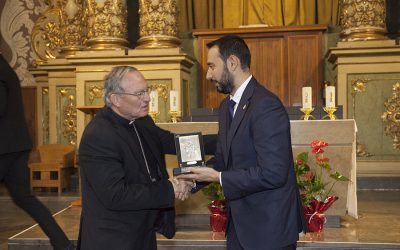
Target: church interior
[[334, 64]]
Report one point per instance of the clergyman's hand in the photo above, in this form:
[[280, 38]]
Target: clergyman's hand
[[181, 188]]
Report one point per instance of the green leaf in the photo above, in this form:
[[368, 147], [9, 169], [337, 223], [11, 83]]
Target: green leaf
[[338, 177]]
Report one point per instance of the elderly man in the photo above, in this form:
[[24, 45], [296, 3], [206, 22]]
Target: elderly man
[[126, 194]]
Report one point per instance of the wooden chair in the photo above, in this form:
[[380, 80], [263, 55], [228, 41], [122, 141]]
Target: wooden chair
[[56, 161]]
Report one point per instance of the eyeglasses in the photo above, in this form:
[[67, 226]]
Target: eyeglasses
[[137, 93]]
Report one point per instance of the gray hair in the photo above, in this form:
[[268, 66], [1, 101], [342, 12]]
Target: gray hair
[[112, 81]]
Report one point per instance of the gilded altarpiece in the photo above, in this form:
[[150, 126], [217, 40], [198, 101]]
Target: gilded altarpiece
[[367, 95], [66, 114]]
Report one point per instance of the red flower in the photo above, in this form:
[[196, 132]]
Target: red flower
[[317, 151], [299, 162], [318, 144]]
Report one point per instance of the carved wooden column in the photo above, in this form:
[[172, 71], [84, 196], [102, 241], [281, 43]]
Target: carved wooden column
[[158, 24], [106, 24], [363, 20]]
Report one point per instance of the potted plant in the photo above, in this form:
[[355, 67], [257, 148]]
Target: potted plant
[[314, 190], [217, 207]]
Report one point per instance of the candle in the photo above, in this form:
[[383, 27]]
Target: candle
[[330, 96], [307, 97], [154, 101], [173, 100]]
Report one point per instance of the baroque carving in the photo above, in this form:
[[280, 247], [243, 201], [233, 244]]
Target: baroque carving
[[106, 23], [46, 35], [362, 20], [95, 92], [162, 90], [72, 25], [392, 116], [158, 24], [69, 117]]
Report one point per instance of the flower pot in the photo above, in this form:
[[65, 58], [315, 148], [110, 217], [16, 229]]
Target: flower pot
[[218, 217], [315, 222], [218, 222]]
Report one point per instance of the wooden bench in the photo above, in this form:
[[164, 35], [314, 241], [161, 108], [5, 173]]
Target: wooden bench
[[54, 167]]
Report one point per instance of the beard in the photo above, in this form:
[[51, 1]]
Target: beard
[[224, 85]]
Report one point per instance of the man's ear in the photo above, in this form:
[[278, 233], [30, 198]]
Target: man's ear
[[232, 63], [115, 100]]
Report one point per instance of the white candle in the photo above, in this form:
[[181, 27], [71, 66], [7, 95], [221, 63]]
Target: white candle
[[173, 100], [330, 96], [307, 97], [153, 101]]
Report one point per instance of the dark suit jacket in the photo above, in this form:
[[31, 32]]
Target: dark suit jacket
[[14, 135], [121, 208], [258, 179]]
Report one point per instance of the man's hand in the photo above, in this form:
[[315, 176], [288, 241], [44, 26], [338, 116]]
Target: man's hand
[[205, 174], [181, 188]]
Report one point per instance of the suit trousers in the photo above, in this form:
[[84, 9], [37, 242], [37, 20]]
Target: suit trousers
[[14, 172]]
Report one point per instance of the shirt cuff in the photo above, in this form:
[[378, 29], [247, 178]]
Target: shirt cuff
[[220, 178]]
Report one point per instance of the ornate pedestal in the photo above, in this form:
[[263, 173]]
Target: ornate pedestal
[[366, 74]]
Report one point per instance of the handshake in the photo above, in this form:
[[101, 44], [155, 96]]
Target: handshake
[[184, 183], [182, 188]]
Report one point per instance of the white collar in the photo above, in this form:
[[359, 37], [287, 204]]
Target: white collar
[[240, 90]]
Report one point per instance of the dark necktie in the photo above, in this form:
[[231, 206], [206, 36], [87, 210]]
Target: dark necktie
[[231, 105], [144, 155]]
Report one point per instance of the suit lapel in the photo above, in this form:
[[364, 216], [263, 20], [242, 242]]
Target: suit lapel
[[240, 112], [224, 128]]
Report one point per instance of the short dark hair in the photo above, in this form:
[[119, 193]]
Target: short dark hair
[[233, 45]]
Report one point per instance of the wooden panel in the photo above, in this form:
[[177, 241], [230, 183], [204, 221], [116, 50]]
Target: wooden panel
[[304, 65], [283, 60], [30, 110]]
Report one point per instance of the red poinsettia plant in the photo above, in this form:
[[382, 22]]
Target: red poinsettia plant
[[314, 189]]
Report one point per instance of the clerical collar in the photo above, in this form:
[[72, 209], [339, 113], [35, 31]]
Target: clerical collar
[[119, 119]]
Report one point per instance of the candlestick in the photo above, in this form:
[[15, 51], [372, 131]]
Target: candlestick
[[307, 97], [153, 101], [307, 114], [330, 114], [173, 100], [330, 96]]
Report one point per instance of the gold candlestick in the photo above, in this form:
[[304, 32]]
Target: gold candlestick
[[307, 113], [154, 115], [330, 112], [174, 116]]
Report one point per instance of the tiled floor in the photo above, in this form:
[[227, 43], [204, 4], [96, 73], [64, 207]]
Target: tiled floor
[[379, 222]]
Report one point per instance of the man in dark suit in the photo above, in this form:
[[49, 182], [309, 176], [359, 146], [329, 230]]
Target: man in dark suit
[[253, 162], [126, 194], [15, 145]]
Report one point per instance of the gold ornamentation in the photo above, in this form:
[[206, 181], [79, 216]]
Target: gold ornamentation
[[174, 116], [162, 90], [158, 24], [70, 121], [392, 116], [106, 24], [46, 35], [307, 114], [95, 92], [362, 20], [45, 115], [72, 26], [154, 115], [359, 86], [330, 113]]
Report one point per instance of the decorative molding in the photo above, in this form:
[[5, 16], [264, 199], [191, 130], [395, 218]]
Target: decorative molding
[[392, 116]]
